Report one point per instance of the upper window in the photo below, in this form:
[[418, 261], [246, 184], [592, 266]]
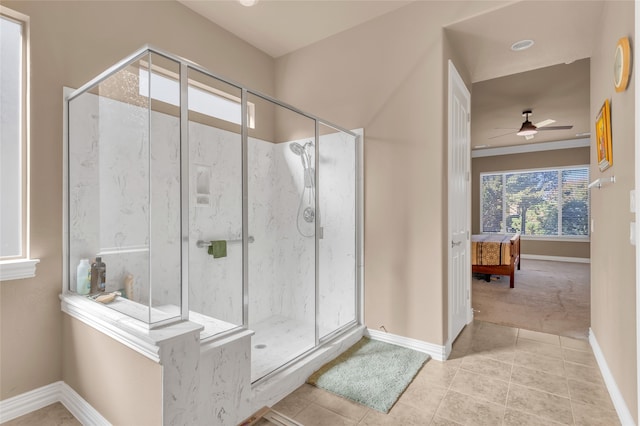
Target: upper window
[[165, 87], [542, 203], [14, 223]]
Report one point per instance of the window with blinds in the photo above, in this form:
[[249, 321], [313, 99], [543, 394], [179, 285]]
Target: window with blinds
[[542, 202]]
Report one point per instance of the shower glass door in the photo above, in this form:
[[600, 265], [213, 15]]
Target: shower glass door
[[281, 227], [337, 221]]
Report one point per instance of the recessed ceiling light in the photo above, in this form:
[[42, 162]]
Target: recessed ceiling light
[[579, 135], [480, 146], [521, 45], [248, 3]]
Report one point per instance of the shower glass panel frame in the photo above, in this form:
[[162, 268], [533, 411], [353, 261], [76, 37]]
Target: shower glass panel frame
[[324, 162]]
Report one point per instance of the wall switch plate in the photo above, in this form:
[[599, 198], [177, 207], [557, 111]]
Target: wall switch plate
[[632, 233], [632, 200]]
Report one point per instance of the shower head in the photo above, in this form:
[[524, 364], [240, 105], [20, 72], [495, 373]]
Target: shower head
[[297, 148]]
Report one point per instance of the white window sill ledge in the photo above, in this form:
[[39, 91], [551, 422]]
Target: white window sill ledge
[[18, 269]]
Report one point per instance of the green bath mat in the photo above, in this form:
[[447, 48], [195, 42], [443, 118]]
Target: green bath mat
[[371, 373]]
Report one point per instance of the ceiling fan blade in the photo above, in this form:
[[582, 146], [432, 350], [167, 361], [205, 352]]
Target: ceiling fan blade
[[555, 128], [499, 136], [544, 123]]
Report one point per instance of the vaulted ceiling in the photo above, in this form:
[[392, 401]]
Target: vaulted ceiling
[[551, 78]]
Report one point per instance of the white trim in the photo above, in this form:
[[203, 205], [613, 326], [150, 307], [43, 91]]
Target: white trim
[[98, 320], [614, 392], [81, 409], [28, 402], [360, 223], [437, 352], [533, 147], [18, 269], [637, 209], [556, 258], [563, 239], [456, 84], [36, 399]]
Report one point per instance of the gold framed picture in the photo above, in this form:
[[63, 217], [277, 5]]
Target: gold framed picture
[[603, 137]]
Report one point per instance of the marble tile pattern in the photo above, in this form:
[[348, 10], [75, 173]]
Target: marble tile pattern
[[207, 384], [125, 201], [215, 285], [337, 182], [225, 386], [511, 390], [124, 195]]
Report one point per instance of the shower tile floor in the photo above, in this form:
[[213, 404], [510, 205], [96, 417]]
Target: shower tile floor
[[276, 341]]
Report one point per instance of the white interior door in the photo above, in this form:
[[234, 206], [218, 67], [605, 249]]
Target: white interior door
[[459, 205]]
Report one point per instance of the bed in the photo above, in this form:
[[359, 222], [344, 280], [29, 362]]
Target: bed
[[495, 254]]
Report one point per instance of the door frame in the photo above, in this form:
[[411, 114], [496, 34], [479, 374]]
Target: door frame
[[454, 79]]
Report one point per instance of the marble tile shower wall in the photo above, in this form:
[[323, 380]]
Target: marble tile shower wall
[[337, 266], [215, 285], [109, 192], [282, 261]]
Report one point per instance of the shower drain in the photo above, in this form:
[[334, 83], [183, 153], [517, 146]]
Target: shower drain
[[260, 346]]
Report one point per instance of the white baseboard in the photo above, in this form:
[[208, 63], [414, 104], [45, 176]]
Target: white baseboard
[[36, 399], [80, 408], [437, 352], [616, 396], [556, 258], [28, 402]]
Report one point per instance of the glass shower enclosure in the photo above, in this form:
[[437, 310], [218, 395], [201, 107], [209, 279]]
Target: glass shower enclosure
[[213, 203]]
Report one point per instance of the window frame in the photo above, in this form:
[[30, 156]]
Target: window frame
[[22, 266], [559, 237]]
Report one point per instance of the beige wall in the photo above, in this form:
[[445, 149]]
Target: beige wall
[[387, 77], [72, 42], [530, 160], [613, 296], [124, 386]]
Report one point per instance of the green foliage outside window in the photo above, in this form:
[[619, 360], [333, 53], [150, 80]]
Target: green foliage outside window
[[537, 202]]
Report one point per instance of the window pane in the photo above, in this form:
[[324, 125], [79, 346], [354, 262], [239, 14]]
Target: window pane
[[491, 187], [532, 202], [10, 138], [575, 202]]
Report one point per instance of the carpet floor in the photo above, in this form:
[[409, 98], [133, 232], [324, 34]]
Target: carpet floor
[[551, 297], [371, 373]]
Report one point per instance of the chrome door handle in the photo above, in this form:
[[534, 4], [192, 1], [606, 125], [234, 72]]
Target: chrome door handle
[[455, 244]]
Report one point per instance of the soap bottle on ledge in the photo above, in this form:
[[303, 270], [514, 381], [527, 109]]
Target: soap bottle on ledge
[[83, 277], [98, 276]]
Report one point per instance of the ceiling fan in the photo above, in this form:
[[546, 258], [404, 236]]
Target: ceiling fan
[[528, 129]]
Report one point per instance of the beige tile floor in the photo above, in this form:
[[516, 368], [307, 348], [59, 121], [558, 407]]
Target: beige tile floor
[[496, 375]]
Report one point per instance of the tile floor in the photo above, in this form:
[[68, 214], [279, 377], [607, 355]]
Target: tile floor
[[52, 415], [496, 375]]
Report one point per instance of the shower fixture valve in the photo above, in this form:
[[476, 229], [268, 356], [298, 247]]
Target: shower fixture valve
[[309, 214]]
